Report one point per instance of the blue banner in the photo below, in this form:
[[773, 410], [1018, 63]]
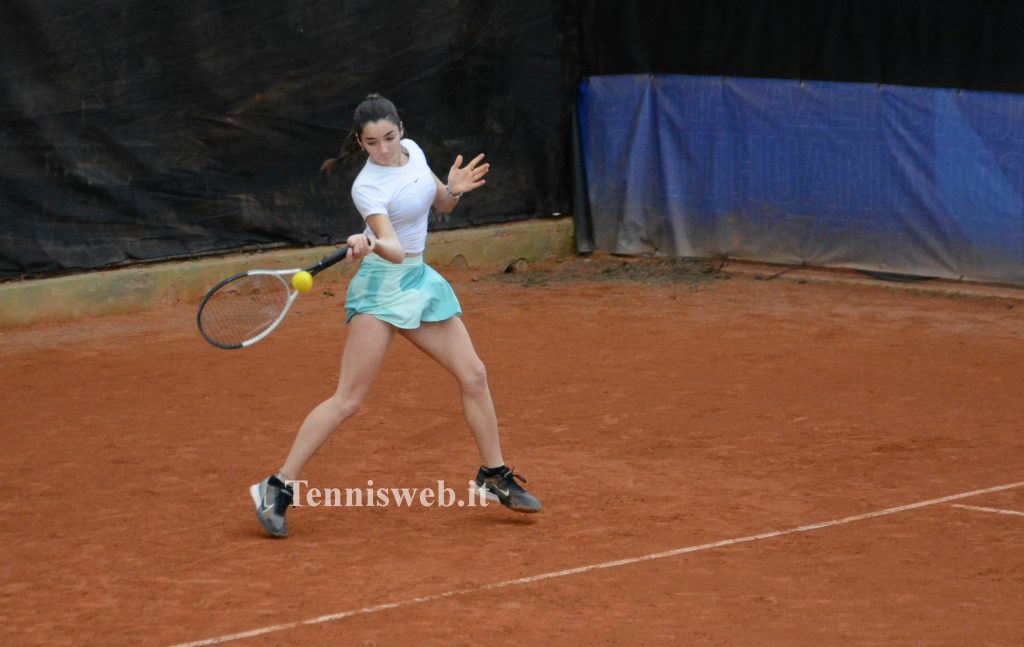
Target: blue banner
[[919, 181]]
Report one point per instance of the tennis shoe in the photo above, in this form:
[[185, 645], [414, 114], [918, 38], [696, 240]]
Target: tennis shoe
[[272, 498], [502, 487]]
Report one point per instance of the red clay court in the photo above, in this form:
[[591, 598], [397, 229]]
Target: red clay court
[[722, 460]]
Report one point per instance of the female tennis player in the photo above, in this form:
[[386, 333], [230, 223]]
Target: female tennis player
[[395, 291]]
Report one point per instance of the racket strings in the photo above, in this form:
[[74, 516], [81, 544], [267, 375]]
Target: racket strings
[[244, 308]]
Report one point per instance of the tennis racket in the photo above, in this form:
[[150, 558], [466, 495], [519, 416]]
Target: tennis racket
[[244, 308]]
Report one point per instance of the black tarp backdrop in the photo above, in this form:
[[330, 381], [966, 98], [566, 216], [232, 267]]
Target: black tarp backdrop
[[967, 44], [134, 131], [150, 130]]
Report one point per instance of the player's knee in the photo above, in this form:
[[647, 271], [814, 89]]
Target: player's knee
[[473, 379], [344, 406]]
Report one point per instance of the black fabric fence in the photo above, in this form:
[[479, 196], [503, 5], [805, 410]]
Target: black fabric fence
[[152, 130]]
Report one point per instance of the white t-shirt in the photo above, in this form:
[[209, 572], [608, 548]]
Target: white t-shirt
[[402, 193]]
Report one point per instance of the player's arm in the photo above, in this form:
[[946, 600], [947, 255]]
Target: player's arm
[[444, 202], [460, 180], [386, 243]]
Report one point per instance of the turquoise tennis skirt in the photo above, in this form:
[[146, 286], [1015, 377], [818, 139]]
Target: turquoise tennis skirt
[[402, 294]]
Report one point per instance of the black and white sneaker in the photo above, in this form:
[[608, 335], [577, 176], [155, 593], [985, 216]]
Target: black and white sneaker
[[502, 487], [272, 498]]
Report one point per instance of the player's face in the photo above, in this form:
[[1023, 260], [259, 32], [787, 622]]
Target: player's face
[[382, 140]]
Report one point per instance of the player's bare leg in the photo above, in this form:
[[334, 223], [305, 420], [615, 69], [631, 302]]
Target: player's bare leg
[[368, 340], [448, 342]]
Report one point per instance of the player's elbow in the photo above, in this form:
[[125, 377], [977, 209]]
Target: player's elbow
[[394, 252]]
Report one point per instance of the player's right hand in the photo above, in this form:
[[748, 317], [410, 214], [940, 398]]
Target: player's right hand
[[359, 245]]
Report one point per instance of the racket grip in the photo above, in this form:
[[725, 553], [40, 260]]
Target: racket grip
[[329, 260], [333, 257]]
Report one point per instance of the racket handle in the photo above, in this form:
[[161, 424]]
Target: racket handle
[[331, 259]]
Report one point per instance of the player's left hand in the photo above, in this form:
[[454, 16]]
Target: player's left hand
[[463, 179]]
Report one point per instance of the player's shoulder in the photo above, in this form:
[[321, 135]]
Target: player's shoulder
[[369, 175], [413, 149], [367, 183]]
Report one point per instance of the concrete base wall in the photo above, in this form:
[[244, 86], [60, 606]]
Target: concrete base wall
[[133, 289]]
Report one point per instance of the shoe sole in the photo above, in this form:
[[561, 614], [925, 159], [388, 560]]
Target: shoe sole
[[257, 500]]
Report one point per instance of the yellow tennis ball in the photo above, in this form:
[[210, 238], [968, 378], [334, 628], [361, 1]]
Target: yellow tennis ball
[[302, 281]]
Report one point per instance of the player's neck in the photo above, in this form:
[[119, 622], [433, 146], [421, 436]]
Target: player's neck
[[401, 160]]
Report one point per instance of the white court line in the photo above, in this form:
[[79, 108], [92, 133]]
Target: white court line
[[590, 567], [981, 509]]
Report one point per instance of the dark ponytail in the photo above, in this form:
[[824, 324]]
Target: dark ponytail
[[373, 108]]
